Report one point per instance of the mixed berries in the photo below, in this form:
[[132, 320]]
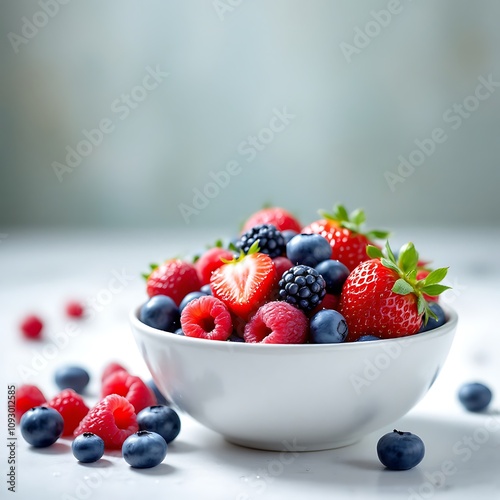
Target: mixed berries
[[332, 265]]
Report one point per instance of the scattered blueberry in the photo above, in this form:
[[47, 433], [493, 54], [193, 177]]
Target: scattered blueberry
[[399, 450], [206, 289], [434, 323], [41, 426], [327, 327], [160, 398], [334, 273], [179, 331], [302, 287], [308, 249], [144, 449], [367, 338], [475, 396], [160, 419], [160, 312], [234, 337], [88, 447], [72, 377], [271, 240], [189, 297], [288, 234]]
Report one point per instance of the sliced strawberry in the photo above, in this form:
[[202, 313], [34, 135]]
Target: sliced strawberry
[[279, 217], [245, 283]]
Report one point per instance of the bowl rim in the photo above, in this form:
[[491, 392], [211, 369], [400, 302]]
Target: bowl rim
[[448, 327]]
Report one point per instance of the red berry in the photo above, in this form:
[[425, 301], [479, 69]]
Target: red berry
[[27, 396], [277, 323], [32, 327], [72, 408], [206, 318], [74, 309], [278, 217], [329, 301], [174, 278], [282, 265], [113, 419], [111, 368], [130, 387], [210, 261]]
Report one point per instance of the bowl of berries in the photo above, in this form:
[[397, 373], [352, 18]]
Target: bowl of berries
[[296, 338]]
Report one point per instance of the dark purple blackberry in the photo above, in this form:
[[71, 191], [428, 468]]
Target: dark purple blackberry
[[271, 240], [302, 287]]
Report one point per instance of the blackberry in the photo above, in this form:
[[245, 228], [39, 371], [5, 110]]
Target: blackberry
[[303, 287], [271, 240]]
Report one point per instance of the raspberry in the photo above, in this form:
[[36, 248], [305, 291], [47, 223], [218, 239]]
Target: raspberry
[[132, 388], [32, 327], [27, 396], [72, 408], [74, 309], [113, 419], [111, 368], [206, 318], [210, 261], [271, 240], [329, 301], [277, 323]]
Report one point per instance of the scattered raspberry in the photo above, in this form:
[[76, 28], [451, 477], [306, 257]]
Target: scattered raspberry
[[110, 369], [277, 323], [74, 309], [27, 396], [206, 318], [113, 419], [210, 261], [72, 408], [329, 301], [32, 327], [131, 388], [282, 265]]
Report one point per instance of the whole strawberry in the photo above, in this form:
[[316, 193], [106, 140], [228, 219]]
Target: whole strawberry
[[383, 297], [174, 278], [345, 234], [211, 260], [245, 282], [278, 217]]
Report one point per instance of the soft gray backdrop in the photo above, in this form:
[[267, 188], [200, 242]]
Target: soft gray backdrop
[[359, 81]]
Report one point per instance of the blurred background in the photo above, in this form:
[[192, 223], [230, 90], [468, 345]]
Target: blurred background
[[170, 113]]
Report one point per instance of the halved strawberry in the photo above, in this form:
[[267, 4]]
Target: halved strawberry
[[278, 217], [245, 282], [344, 233]]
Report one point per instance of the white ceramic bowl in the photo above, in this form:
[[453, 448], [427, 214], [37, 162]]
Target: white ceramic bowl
[[303, 397]]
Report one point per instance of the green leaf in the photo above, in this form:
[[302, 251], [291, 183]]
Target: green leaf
[[412, 276], [435, 276], [153, 266], [358, 217], [388, 250], [402, 287], [218, 244], [233, 247], [196, 258], [340, 213], [350, 225], [434, 290], [145, 276], [389, 264], [374, 252], [254, 248], [408, 258], [378, 234], [421, 305]]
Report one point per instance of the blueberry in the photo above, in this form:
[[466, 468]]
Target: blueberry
[[475, 396], [308, 249], [431, 322], [41, 426], [160, 419], [334, 273], [234, 337], [206, 289], [160, 312], [144, 449], [179, 331], [327, 327], [288, 234], [88, 447], [160, 398], [72, 377], [367, 338], [189, 297], [400, 450]]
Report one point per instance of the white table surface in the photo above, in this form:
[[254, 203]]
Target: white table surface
[[40, 270]]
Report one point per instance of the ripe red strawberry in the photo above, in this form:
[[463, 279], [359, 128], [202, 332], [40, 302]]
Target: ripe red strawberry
[[27, 396], [130, 387], [113, 419], [383, 297], [344, 233], [72, 408], [277, 323], [245, 283], [174, 278], [210, 261], [277, 216], [111, 368]]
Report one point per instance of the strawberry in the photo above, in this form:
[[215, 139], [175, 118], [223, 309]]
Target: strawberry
[[344, 233], [383, 297], [174, 278], [245, 282], [210, 261], [278, 217]]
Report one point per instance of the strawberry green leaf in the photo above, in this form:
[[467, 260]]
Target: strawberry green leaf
[[351, 226], [435, 276], [388, 250], [358, 217], [402, 287], [376, 234], [434, 290], [254, 248], [389, 264], [233, 247], [145, 276], [408, 258], [340, 213], [374, 252], [153, 266], [218, 244], [421, 305], [196, 258]]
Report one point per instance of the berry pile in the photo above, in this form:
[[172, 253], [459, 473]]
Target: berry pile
[[239, 293]]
